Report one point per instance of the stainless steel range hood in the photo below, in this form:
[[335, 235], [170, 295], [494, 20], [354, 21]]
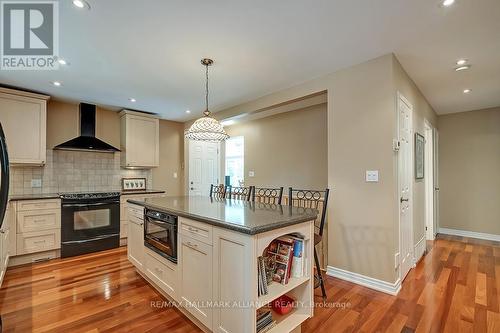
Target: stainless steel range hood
[[87, 140]]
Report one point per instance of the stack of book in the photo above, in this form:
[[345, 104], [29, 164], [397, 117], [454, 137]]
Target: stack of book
[[264, 320], [286, 255], [263, 281]]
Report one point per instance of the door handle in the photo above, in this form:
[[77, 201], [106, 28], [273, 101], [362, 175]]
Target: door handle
[[403, 200], [192, 188]]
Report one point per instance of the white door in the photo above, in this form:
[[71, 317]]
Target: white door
[[405, 178], [429, 182], [436, 181], [203, 166]]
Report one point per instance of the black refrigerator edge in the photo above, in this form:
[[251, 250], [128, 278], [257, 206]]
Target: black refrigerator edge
[[4, 174]]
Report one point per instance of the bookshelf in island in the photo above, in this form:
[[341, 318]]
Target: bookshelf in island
[[241, 266]]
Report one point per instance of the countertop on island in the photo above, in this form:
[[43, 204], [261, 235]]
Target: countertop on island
[[246, 217]]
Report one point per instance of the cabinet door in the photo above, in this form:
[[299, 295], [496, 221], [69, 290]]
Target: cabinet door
[[196, 278], [24, 123], [232, 282], [135, 242], [142, 141]]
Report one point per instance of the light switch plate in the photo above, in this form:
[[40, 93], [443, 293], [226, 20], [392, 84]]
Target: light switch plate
[[251, 173], [175, 174], [35, 183], [372, 176]]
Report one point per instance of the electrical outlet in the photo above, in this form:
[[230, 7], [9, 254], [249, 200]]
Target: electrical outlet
[[372, 176], [251, 173], [35, 183]]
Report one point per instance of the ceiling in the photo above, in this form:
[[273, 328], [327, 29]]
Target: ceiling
[[126, 49]]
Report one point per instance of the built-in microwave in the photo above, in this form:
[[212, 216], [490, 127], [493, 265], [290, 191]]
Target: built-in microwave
[[160, 233]]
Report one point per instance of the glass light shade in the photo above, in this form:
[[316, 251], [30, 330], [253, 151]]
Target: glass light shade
[[206, 128]]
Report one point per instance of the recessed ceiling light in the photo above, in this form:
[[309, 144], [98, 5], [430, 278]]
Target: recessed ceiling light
[[447, 3], [466, 91], [57, 83], [133, 100], [461, 62], [462, 68], [188, 111], [81, 4], [61, 61]]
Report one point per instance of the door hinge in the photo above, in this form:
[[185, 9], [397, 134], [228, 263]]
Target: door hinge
[[425, 228]]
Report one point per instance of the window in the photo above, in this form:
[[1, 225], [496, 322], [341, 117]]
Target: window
[[235, 150]]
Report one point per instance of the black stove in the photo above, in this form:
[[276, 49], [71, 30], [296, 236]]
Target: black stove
[[88, 195], [90, 222]]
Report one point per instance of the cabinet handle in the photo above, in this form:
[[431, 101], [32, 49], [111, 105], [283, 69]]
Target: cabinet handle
[[193, 229], [37, 221], [2, 231], [159, 270], [191, 245], [39, 242]]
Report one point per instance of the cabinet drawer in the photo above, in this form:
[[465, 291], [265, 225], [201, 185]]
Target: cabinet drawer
[[197, 230], [38, 241], [162, 272], [38, 220], [24, 205], [135, 211]]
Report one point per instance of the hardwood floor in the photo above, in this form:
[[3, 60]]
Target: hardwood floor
[[453, 289]]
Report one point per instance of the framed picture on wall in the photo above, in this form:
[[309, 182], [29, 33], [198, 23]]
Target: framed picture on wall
[[419, 156]]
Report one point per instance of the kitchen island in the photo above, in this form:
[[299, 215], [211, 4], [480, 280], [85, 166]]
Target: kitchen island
[[214, 280]]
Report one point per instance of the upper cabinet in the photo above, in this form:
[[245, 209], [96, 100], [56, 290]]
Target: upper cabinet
[[140, 140], [24, 120]]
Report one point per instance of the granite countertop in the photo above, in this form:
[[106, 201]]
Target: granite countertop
[[246, 217], [38, 196], [41, 196]]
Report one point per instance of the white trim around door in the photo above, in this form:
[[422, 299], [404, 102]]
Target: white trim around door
[[405, 172]]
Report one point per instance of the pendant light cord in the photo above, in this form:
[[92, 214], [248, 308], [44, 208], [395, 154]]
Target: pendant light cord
[[206, 92]]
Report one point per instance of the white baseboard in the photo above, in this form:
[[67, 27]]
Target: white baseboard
[[366, 281], [471, 234], [419, 250]]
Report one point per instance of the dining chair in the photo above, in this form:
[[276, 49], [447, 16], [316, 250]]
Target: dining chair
[[267, 195], [315, 199], [239, 192], [218, 191]]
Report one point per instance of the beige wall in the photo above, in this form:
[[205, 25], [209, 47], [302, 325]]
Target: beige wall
[[288, 149], [171, 158], [63, 124], [469, 158], [422, 111]]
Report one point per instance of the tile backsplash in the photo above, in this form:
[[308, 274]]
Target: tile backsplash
[[73, 171]]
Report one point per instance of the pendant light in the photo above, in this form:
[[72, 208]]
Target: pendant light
[[207, 128]]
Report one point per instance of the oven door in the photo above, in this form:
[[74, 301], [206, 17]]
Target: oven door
[[85, 220], [161, 237]]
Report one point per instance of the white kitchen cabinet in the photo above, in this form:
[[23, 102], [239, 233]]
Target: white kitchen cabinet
[[4, 244], [162, 272], [196, 278], [24, 120], [140, 140], [38, 225], [135, 241]]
